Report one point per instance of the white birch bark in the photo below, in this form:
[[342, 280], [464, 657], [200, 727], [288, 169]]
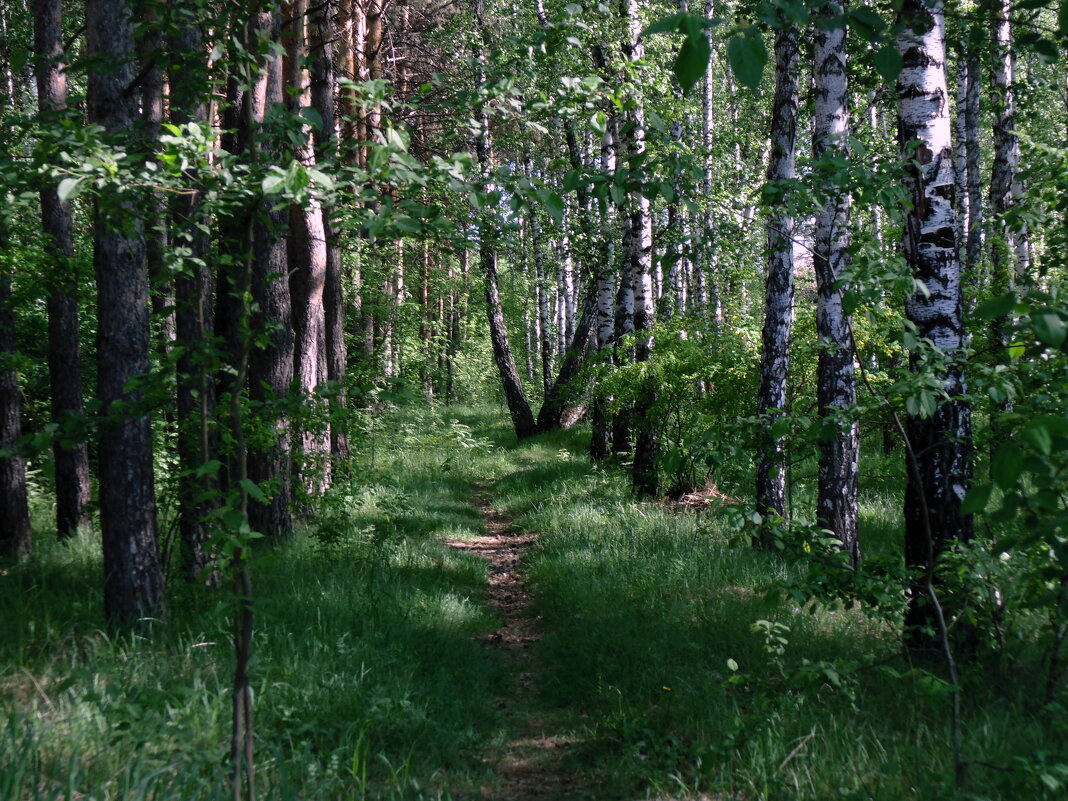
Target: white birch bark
[[836, 382], [940, 443], [1005, 187], [779, 286]]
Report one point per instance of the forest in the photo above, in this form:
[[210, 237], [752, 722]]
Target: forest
[[482, 399]]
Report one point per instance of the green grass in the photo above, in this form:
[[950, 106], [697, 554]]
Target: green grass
[[370, 681]]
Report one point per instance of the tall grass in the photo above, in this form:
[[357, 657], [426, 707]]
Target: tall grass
[[666, 652]]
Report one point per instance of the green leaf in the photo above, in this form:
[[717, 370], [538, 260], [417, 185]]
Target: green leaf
[[888, 62], [554, 204], [69, 188], [732, 665], [747, 56], [1062, 19], [312, 117], [1039, 436], [1049, 328], [692, 60], [253, 489], [666, 25], [1007, 465], [273, 183], [976, 500], [996, 307]]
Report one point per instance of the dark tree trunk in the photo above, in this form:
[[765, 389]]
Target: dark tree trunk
[[64, 358], [512, 383], [15, 540], [156, 230], [779, 288], [194, 325], [271, 367], [939, 446], [133, 578]]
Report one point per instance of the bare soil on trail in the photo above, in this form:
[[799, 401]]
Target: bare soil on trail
[[533, 764]]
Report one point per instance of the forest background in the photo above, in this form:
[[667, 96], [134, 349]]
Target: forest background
[[733, 247]]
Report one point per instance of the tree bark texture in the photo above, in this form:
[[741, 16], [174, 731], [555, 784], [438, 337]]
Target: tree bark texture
[[322, 36], [15, 542], [194, 323], [133, 578], [69, 450], [638, 251], [307, 282], [779, 287], [271, 367], [836, 377], [939, 445]]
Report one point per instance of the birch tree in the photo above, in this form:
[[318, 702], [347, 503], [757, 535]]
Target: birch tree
[[836, 379], [939, 438], [779, 285]]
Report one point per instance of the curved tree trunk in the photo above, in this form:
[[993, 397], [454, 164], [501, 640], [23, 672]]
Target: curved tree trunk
[[322, 36], [836, 382], [779, 289]]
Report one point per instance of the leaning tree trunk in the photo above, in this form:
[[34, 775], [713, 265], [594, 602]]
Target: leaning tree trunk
[[71, 455], [779, 289], [512, 383], [133, 577], [15, 540], [271, 367], [836, 382], [939, 444], [194, 325]]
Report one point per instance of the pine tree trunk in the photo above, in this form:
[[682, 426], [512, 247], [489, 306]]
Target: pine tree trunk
[[939, 445], [194, 325], [271, 367], [779, 288], [307, 281], [322, 36], [836, 377], [64, 340], [133, 577], [15, 542]]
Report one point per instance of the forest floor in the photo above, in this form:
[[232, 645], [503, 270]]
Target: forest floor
[[529, 766], [474, 619]]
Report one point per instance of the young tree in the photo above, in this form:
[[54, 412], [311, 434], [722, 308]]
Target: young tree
[[14, 511], [194, 322], [133, 578], [836, 379], [779, 287], [64, 357], [939, 439]]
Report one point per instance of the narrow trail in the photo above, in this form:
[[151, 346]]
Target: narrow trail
[[532, 765]]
